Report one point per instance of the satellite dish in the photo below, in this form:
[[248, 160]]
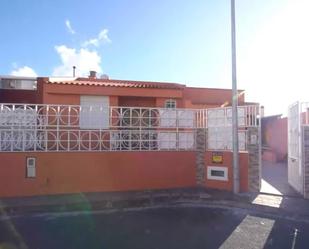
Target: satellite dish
[[104, 77]]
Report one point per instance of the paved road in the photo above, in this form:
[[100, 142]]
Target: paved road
[[175, 227], [275, 179]]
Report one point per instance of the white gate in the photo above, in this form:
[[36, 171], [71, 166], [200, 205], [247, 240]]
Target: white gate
[[295, 166]]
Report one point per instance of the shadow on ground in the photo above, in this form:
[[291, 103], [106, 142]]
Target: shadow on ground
[[275, 179], [173, 227]]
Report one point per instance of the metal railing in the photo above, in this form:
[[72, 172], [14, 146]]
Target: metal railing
[[95, 140], [75, 116], [31, 127]]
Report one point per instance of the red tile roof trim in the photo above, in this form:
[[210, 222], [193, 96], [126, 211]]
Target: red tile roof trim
[[119, 83]]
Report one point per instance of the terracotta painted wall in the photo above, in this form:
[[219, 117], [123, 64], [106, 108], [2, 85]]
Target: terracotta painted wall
[[210, 96], [74, 172], [95, 171], [72, 99], [137, 101], [19, 96], [275, 134]]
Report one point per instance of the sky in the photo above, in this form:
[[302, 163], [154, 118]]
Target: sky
[[164, 40]]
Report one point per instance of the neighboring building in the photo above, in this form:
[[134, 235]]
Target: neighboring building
[[18, 89], [274, 138]]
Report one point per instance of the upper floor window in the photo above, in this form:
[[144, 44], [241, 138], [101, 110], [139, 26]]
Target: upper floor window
[[18, 83], [170, 103]]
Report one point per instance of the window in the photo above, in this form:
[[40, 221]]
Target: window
[[23, 84], [31, 167], [217, 173], [170, 103], [94, 113]]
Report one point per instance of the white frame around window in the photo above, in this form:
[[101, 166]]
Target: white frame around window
[[31, 167], [217, 168], [170, 103]]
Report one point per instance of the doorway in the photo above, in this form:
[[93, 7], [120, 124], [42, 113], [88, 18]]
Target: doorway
[[275, 170]]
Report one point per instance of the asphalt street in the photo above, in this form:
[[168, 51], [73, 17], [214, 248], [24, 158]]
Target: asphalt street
[[174, 227]]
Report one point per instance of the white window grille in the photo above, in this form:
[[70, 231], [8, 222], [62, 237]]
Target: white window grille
[[217, 173], [170, 103], [31, 167]]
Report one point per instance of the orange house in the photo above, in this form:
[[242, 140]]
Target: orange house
[[120, 93], [55, 154]]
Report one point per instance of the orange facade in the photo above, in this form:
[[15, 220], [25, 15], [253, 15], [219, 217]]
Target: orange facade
[[67, 172], [73, 172]]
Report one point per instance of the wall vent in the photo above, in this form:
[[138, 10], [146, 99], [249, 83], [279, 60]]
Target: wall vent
[[217, 173]]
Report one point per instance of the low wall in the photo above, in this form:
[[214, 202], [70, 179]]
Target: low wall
[[74, 172]]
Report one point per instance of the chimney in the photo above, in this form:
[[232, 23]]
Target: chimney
[[74, 70], [92, 75]]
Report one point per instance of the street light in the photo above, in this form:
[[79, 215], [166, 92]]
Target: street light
[[234, 104]]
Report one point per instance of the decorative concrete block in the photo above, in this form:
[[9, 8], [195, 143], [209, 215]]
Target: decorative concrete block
[[253, 147]]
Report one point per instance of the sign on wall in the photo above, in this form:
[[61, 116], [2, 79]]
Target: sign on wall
[[217, 157]]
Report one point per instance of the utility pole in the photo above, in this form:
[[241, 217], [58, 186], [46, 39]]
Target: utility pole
[[234, 104]]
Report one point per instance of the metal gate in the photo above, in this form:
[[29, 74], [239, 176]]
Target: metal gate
[[295, 165]]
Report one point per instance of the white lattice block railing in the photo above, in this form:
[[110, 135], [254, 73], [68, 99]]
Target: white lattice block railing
[[31, 127], [99, 117], [95, 140]]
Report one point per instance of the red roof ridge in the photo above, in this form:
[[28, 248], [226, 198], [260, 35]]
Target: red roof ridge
[[120, 83], [129, 81]]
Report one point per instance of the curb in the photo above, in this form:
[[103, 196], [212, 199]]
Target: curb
[[153, 201]]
